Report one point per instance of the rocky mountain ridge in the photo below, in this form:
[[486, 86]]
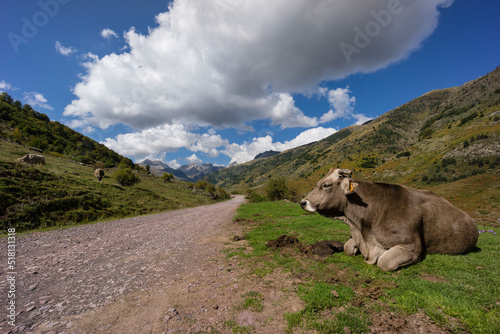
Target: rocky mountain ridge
[[189, 172]]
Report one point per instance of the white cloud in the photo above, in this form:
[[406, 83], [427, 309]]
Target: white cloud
[[248, 150], [154, 142], [208, 143], [88, 130], [37, 100], [5, 85], [108, 33], [174, 164], [286, 114], [193, 159], [361, 119], [225, 63], [90, 58], [309, 136], [164, 138], [341, 103], [63, 50], [342, 106]]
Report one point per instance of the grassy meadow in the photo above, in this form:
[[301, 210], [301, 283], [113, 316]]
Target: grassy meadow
[[456, 293]]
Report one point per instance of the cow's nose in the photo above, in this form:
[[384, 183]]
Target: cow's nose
[[303, 203]]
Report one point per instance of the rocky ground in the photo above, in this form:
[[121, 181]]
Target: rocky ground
[[163, 273], [126, 276]]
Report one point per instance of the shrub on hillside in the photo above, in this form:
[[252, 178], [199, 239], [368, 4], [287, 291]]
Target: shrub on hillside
[[205, 186], [125, 177], [278, 189], [403, 154], [167, 177], [448, 161], [221, 194], [253, 197]]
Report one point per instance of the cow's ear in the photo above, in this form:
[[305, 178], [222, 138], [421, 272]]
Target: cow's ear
[[348, 186]]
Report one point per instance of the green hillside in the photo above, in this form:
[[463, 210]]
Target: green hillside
[[65, 191], [446, 140], [31, 128]]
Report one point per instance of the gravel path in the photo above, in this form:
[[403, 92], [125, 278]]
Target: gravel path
[[64, 275]]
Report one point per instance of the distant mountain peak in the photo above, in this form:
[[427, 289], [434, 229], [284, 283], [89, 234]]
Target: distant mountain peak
[[154, 163], [196, 171]]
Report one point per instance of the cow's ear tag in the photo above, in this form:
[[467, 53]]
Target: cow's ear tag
[[348, 186], [352, 185]]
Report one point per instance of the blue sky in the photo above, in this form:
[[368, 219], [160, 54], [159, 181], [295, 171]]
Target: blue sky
[[223, 80]]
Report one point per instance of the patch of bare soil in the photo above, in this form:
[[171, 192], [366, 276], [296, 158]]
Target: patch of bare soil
[[418, 323], [432, 278], [321, 248]]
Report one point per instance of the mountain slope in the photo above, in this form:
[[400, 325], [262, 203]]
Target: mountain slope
[[445, 136]]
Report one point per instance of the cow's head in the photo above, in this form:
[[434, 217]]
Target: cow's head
[[329, 197]]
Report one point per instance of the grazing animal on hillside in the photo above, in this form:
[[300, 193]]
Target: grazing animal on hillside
[[33, 159], [99, 174], [392, 225]]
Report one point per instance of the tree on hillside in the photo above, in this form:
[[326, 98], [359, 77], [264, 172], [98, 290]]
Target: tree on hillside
[[6, 97], [126, 163]]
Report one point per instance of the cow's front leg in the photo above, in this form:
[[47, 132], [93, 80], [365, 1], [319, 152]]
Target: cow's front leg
[[350, 247], [397, 257]]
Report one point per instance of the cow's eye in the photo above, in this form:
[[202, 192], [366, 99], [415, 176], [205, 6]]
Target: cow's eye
[[326, 185]]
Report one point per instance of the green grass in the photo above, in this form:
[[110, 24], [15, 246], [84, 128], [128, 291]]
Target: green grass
[[457, 292], [253, 302]]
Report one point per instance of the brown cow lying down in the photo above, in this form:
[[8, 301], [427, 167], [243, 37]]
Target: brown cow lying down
[[392, 225], [33, 159]]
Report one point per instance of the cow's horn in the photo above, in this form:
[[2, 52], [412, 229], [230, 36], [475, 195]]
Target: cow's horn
[[344, 172]]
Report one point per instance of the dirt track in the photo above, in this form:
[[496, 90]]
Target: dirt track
[[126, 276]]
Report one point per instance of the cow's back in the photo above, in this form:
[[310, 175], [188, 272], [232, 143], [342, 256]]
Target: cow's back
[[397, 213], [446, 229]]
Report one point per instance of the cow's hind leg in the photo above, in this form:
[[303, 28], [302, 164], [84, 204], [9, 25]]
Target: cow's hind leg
[[350, 247], [396, 257]]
